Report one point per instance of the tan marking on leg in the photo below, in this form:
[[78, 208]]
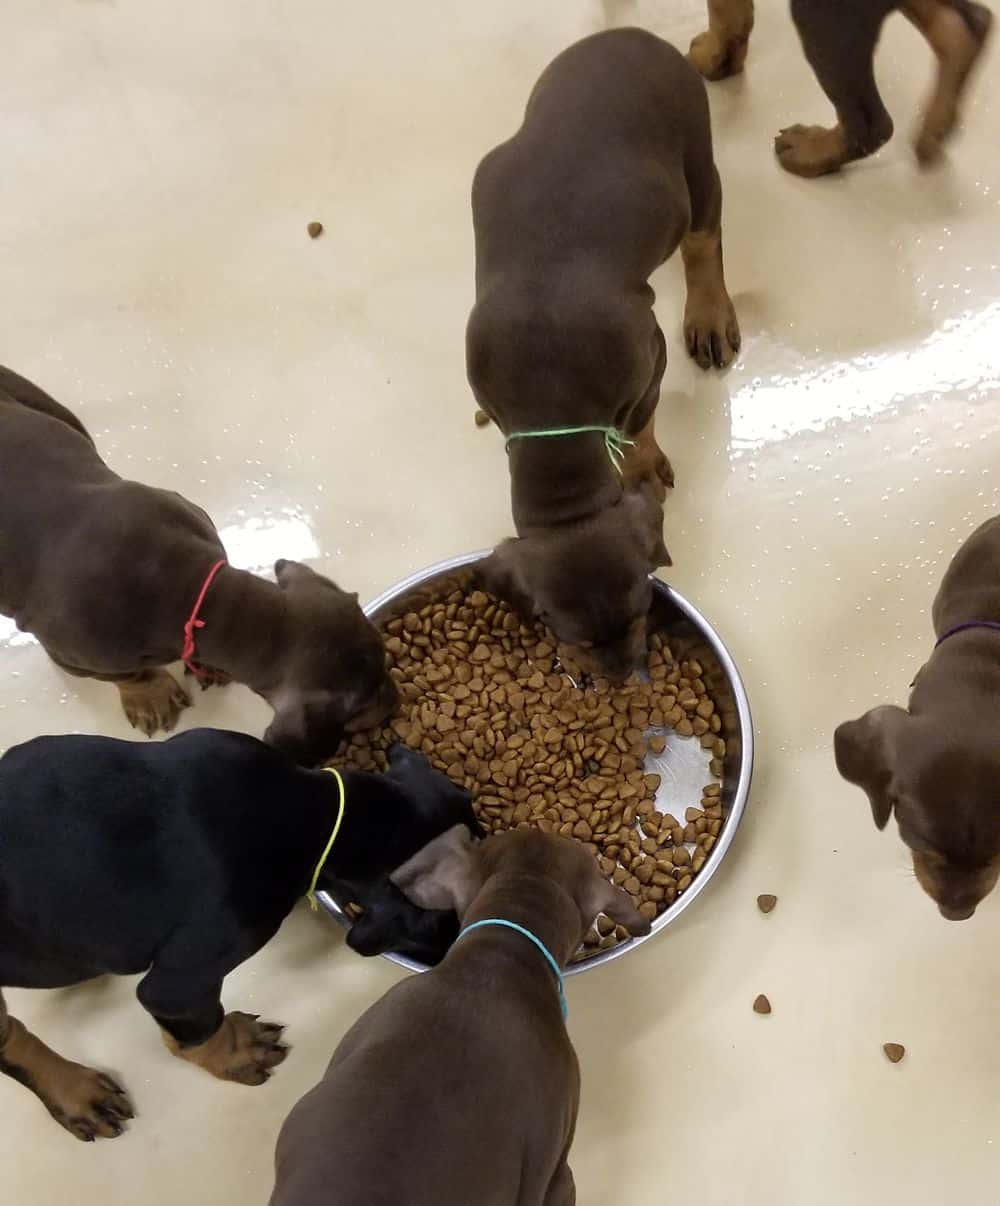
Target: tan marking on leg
[[243, 1049], [711, 331], [647, 462], [88, 1104], [722, 49], [153, 700], [957, 45]]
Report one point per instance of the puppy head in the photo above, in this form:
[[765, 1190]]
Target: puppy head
[[589, 583], [333, 677], [450, 872], [405, 809], [391, 922], [939, 777], [435, 802]]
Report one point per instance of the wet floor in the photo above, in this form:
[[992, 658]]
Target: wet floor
[[162, 166]]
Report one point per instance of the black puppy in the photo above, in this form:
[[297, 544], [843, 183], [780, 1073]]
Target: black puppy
[[180, 860], [839, 38]]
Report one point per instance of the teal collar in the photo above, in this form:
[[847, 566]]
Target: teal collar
[[512, 925], [614, 440]]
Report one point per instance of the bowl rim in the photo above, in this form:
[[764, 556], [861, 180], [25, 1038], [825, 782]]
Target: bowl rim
[[744, 776]]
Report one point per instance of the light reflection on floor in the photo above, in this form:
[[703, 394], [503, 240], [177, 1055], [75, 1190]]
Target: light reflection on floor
[[959, 358]]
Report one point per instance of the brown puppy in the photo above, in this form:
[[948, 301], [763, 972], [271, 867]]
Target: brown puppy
[[464, 1078], [937, 762], [609, 173], [839, 39], [106, 572]]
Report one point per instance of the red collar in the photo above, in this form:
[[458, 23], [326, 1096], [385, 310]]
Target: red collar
[[187, 653]]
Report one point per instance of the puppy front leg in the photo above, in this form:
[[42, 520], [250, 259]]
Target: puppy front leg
[[231, 1046], [647, 462], [711, 331], [721, 50], [89, 1104]]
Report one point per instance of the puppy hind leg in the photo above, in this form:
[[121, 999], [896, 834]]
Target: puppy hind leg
[[957, 31], [839, 43], [721, 50], [87, 1103]]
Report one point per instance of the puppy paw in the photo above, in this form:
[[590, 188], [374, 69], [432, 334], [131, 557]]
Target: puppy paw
[[152, 701], [209, 676], [929, 147], [716, 59], [711, 333], [810, 151], [88, 1104], [243, 1050]]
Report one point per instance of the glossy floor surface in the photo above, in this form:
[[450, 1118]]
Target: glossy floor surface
[[162, 162]]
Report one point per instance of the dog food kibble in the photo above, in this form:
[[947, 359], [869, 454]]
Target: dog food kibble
[[894, 1051], [482, 418], [766, 902], [497, 705], [315, 229], [762, 1005]]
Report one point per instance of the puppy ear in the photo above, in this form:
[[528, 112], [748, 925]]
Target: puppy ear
[[596, 895], [865, 750], [443, 874], [502, 574]]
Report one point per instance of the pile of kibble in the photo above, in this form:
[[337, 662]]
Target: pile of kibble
[[496, 705]]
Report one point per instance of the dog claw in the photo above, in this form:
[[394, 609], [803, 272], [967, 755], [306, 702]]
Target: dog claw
[[152, 701], [208, 676], [258, 1050], [89, 1105], [712, 333], [810, 151]]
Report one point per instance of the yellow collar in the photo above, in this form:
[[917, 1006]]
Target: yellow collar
[[311, 894]]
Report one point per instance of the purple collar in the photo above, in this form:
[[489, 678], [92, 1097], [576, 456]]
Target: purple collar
[[962, 627]]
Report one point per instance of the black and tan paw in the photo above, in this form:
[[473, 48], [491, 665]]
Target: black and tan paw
[[256, 1052], [90, 1106]]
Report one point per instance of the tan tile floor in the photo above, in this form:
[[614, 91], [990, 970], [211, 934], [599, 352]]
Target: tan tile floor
[[161, 163]]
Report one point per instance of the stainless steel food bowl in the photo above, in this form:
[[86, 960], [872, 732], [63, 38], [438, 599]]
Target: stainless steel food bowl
[[683, 765]]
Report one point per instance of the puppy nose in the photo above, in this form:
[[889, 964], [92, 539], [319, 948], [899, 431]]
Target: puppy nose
[[951, 913], [279, 565]]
